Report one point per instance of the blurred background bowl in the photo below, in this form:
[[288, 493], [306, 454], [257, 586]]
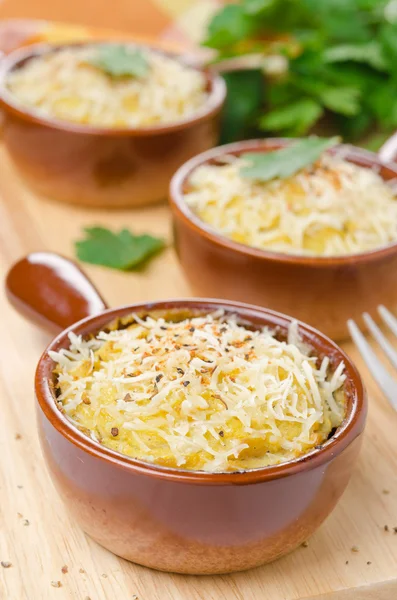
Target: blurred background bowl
[[322, 291], [102, 167]]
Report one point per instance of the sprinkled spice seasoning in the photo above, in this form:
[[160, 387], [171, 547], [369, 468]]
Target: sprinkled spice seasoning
[[18, 436], [197, 392], [65, 569], [56, 584], [6, 564], [305, 544], [355, 549], [386, 527]]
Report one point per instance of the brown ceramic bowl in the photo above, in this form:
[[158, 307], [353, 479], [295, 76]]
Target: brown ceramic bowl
[[94, 166], [324, 292], [174, 519]]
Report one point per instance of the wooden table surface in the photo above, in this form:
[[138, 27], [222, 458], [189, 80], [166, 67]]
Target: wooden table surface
[[36, 535]]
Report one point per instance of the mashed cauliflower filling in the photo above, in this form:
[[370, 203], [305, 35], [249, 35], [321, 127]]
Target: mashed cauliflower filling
[[331, 208], [202, 393]]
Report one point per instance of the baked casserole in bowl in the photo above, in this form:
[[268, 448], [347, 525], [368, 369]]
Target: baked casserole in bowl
[[192, 436], [105, 123], [319, 244]]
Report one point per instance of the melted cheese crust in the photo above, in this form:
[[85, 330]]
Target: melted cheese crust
[[331, 208], [204, 393], [65, 86]]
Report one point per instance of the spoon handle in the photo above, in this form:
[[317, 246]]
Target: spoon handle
[[51, 291]]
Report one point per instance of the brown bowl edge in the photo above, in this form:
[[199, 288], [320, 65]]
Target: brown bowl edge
[[356, 155], [214, 103], [351, 427]]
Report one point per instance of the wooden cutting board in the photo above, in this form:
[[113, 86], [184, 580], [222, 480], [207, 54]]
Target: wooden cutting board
[[36, 535], [326, 569]]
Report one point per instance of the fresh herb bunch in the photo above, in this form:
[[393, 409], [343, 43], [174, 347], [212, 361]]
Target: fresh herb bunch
[[316, 58]]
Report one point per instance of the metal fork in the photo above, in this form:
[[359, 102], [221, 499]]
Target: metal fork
[[386, 382]]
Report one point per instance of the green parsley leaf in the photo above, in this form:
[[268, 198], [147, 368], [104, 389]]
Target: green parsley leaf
[[383, 102], [354, 128], [245, 96], [255, 7], [370, 54], [388, 37], [118, 60], [343, 100], [295, 118], [284, 163], [122, 250], [228, 26]]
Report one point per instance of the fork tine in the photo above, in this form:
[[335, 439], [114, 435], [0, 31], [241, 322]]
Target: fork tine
[[389, 319], [381, 339], [387, 383]]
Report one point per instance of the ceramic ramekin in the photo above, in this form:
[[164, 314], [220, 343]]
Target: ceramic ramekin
[[173, 519], [324, 292], [95, 166]]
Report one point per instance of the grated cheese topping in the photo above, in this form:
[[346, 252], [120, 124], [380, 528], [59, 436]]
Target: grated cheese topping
[[331, 208], [203, 393], [63, 85]]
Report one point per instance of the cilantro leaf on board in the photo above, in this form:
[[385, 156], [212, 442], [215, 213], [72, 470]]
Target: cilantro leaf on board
[[118, 60], [287, 161], [122, 250]]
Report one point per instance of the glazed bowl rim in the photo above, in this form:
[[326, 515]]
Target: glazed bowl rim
[[346, 433], [211, 106], [180, 208]]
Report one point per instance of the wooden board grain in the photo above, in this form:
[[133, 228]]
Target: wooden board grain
[[326, 570]]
